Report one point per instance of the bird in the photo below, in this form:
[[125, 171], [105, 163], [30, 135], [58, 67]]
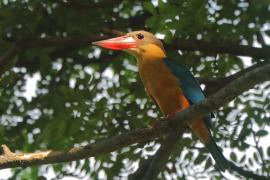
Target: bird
[[170, 84]]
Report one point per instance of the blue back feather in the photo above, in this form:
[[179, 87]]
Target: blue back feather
[[188, 83]]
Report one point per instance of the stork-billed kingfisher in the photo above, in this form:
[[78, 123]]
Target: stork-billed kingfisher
[[170, 84]]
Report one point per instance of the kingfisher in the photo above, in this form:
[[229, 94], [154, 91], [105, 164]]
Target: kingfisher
[[170, 84]]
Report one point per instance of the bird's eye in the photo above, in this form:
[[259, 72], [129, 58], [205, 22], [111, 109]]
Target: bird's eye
[[140, 36]]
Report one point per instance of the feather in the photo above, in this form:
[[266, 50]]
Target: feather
[[188, 83]]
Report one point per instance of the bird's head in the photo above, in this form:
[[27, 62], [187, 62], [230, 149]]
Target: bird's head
[[140, 44]]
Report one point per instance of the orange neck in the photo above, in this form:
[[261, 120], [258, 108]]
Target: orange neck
[[152, 52], [147, 52]]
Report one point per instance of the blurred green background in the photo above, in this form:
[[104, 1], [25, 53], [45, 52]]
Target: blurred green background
[[57, 90]]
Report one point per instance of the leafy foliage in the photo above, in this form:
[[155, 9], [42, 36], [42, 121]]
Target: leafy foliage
[[83, 94]]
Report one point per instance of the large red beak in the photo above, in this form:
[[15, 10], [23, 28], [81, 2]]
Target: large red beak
[[118, 43]]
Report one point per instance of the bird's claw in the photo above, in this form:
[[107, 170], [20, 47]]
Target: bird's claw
[[172, 115], [156, 124]]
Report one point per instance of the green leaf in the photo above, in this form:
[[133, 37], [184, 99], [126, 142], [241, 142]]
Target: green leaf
[[162, 7], [268, 151], [153, 22], [200, 158], [250, 161], [208, 163], [255, 156], [243, 158], [189, 155], [150, 7], [261, 133], [168, 37], [233, 156], [267, 32]]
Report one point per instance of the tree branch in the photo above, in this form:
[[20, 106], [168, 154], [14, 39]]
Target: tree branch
[[161, 157], [168, 143], [47, 42], [245, 173], [72, 41], [214, 84], [226, 94], [7, 57], [239, 50], [9, 159], [221, 47], [77, 41], [86, 5], [140, 172]]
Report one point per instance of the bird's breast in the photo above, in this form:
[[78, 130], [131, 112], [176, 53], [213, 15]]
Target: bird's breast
[[162, 86]]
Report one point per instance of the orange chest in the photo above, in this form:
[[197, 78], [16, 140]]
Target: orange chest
[[156, 76], [162, 86]]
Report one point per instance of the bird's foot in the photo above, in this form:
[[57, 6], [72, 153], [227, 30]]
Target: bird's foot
[[172, 115], [156, 124]]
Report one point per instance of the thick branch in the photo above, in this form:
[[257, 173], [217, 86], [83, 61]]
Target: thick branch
[[78, 41], [140, 172], [86, 5], [169, 144], [190, 46], [73, 41], [239, 50], [161, 157], [9, 55], [47, 42], [9, 159], [212, 103], [221, 47]]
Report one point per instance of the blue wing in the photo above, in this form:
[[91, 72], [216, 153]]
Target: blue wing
[[188, 83]]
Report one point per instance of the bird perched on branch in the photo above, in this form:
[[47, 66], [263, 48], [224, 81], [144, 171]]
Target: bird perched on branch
[[169, 84]]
